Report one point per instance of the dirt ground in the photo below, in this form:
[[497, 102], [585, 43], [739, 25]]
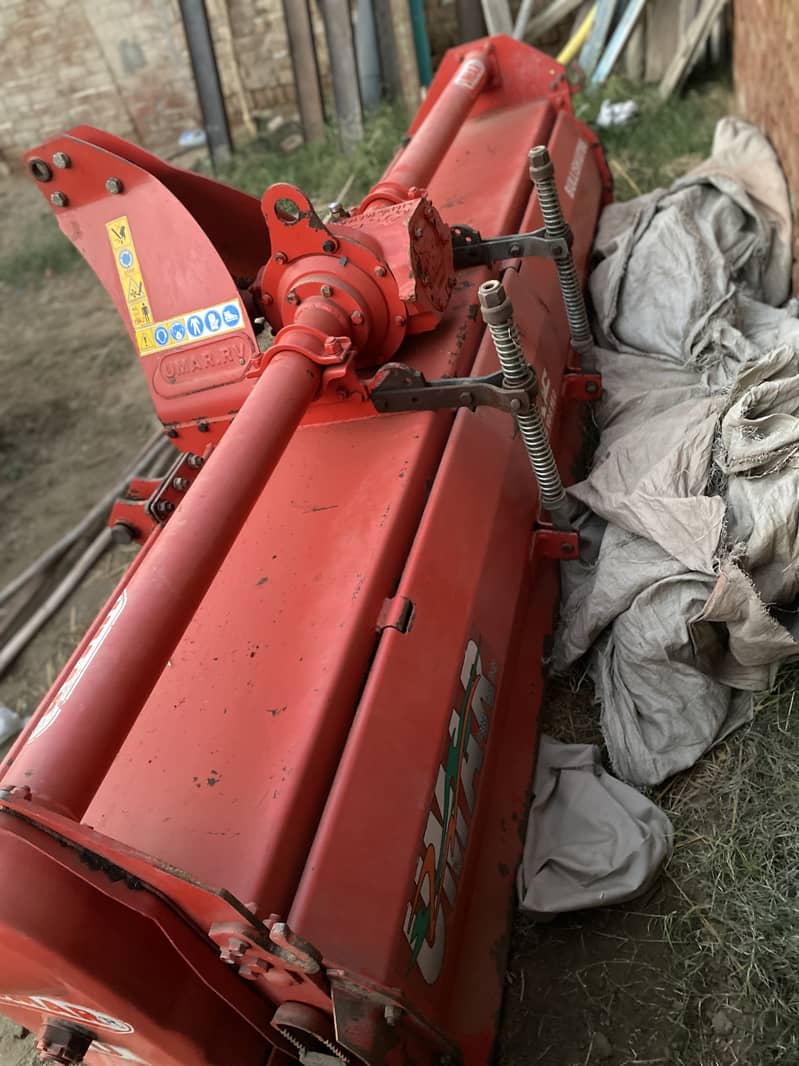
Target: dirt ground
[[620, 986], [73, 408]]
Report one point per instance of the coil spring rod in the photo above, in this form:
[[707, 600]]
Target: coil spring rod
[[542, 174], [516, 373]]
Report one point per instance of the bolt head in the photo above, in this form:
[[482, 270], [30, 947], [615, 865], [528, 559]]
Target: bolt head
[[292, 297], [195, 461], [515, 406], [122, 533], [357, 317], [333, 346], [267, 298], [59, 199], [567, 548], [326, 290], [113, 185], [171, 432], [61, 160], [591, 387], [203, 427], [40, 170], [380, 271], [392, 1013], [329, 247], [280, 257], [418, 232]]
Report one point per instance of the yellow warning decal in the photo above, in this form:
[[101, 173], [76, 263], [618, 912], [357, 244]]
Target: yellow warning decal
[[132, 282], [203, 324]]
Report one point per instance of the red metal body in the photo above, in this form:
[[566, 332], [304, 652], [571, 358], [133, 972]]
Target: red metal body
[[300, 734]]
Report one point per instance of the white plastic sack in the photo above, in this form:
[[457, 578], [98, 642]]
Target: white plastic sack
[[687, 604]]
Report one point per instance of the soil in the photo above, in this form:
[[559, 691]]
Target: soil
[[73, 408], [604, 986]]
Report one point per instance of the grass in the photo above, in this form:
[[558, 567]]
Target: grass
[[666, 138], [43, 251], [736, 858], [733, 925], [321, 169]]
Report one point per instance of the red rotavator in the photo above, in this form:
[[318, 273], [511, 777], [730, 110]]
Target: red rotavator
[[273, 805]]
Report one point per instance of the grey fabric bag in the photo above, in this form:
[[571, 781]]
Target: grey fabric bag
[[591, 840]]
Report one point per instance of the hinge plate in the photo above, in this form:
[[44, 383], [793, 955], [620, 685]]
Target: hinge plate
[[396, 613], [549, 543]]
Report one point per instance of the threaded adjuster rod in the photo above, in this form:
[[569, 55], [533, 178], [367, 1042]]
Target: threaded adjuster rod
[[542, 174], [516, 373]]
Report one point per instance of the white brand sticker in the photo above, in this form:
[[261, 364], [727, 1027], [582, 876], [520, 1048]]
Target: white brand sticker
[[576, 168], [118, 1053], [80, 668], [70, 1011], [470, 74]]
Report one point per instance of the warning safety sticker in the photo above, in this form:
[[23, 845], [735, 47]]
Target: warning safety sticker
[[153, 336]]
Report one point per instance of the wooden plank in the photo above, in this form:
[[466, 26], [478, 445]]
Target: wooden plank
[[497, 16], [402, 29], [306, 71], [343, 71], [621, 34], [557, 11], [469, 17], [635, 52], [693, 40], [522, 19], [594, 46], [662, 38]]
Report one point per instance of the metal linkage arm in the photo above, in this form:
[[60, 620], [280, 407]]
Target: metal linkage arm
[[470, 249], [400, 388]]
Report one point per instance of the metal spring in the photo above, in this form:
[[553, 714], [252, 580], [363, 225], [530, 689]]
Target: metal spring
[[515, 373], [556, 228]]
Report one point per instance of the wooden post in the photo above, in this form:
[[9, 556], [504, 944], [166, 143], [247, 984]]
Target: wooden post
[[306, 69], [694, 39], [497, 16], [405, 49], [343, 71], [551, 16], [471, 23]]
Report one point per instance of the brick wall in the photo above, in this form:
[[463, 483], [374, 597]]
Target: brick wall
[[123, 65], [766, 87]]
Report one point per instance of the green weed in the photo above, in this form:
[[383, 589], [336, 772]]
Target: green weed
[[321, 169]]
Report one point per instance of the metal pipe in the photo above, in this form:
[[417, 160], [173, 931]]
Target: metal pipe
[[421, 41], [78, 732], [516, 373], [75, 575], [206, 77], [86, 524], [418, 162], [542, 174], [368, 52]]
